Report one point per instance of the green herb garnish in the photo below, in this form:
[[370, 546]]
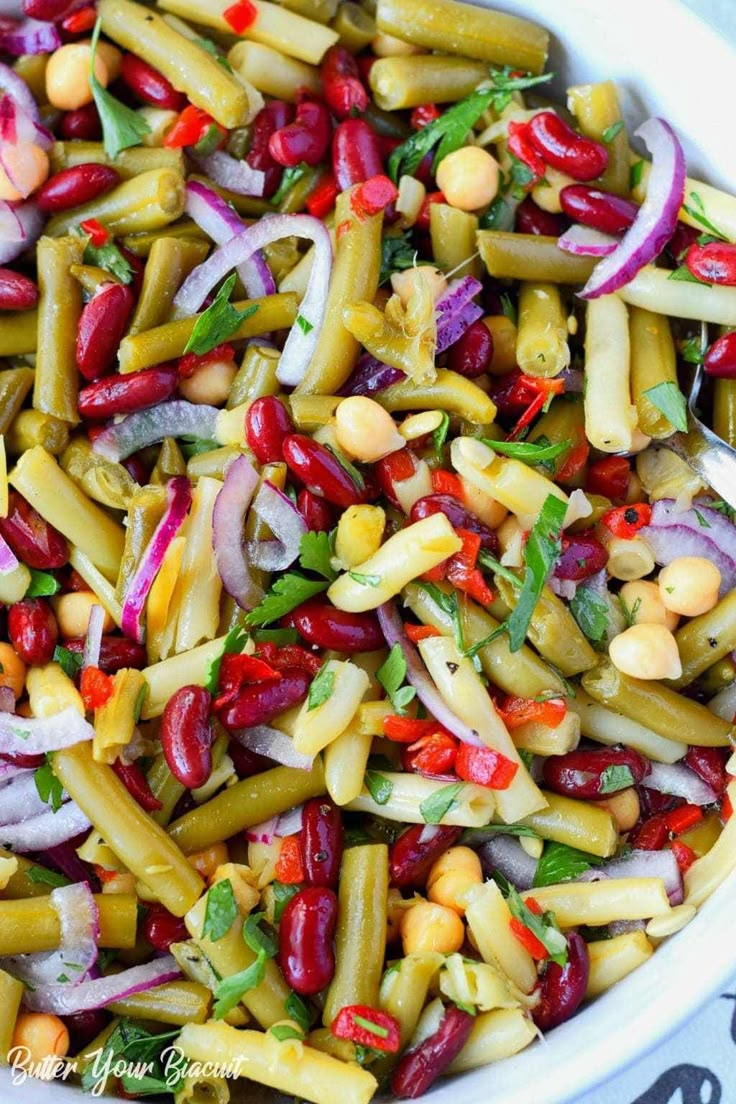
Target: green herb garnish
[[219, 322]]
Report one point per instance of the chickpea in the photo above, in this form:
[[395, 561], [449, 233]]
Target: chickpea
[[207, 861], [387, 45], [546, 194], [359, 534], [73, 610], [624, 807], [454, 860], [451, 890], [67, 75], [210, 383], [646, 652], [644, 602], [690, 585], [29, 167], [468, 178], [112, 57], [365, 430], [431, 927], [405, 283], [41, 1035], [13, 672]]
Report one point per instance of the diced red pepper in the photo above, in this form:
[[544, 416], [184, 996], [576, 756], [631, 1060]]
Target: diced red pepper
[[609, 477], [726, 809], [685, 855], [415, 633], [372, 196], [575, 460], [241, 16], [80, 21], [433, 754], [520, 147], [136, 783], [98, 235], [535, 392], [683, 818], [651, 834], [367, 1027], [626, 521], [95, 687], [406, 730], [519, 711], [188, 364], [289, 869], [396, 467], [321, 199], [463, 573], [290, 655], [422, 219], [190, 127], [528, 940], [534, 906], [445, 482], [424, 115], [237, 670], [485, 767]]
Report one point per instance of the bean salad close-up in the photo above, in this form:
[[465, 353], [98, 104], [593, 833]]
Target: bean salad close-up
[[367, 593]]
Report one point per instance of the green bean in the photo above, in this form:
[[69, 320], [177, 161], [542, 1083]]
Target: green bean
[[141, 350], [321, 11], [102, 480], [149, 202], [57, 499], [296, 198], [272, 72], [653, 362], [11, 994], [600, 505], [165, 788], [597, 109], [657, 707], [386, 123], [213, 463], [141, 844], [190, 69], [541, 345], [717, 677], [176, 1002], [355, 26], [18, 332], [170, 462], [32, 68], [20, 885], [724, 410], [553, 631], [453, 235], [247, 803], [91, 277], [145, 510], [522, 672], [533, 257], [256, 376], [31, 428], [579, 824], [464, 29], [399, 82], [183, 230], [706, 639], [170, 262], [28, 925], [354, 278], [311, 412], [564, 421], [129, 162], [449, 392], [244, 205], [360, 940], [15, 384], [59, 308]]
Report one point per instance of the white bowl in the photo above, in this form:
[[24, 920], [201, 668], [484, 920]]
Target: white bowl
[[666, 62]]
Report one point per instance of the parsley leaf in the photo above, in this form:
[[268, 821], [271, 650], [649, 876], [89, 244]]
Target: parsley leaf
[[70, 662], [499, 216], [397, 254], [541, 552], [379, 787], [473, 837], [692, 351], [289, 178], [48, 785], [221, 910], [544, 927], [449, 604], [702, 520], [365, 580], [110, 258], [298, 1011], [279, 637], [635, 174], [612, 131], [121, 126], [321, 687], [260, 939], [316, 551], [629, 614], [560, 863], [591, 614], [304, 324], [233, 644], [696, 209], [440, 434], [285, 1031], [219, 322], [508, 309], [42, 584], [391, 675], [282, 894], [669, 399], [140, 1053], [438, 804], [490, 562], [615, 778], [209, 47], [527, 451], [288, 592], [348, 467], [684, 273], [232, 989], [40, 875]]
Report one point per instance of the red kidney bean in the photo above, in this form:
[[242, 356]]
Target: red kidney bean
[[356, 153], [565, 149], [116, 652], [246, 762], [72, 187], [411, 856], [138, 268], [720, 360], [24, 760], [17, 292], [83, 123], [274, 116], [321, 842], [33, 631], [261, 702], [321, 624], [715, 262], [306, 139], [710, 764], [149, 85], [579, 773], [471, 355], [683, 237], [458, 516], [101, 327], [581, 557], [562, 988], [161, 928], [49, 11], [33, 540], [531, 219], [611, 214], [83, 1027], [420, 1068], [186, 736], [136, 469], [320, 471], [267, 424], [318, 514], [125, 394], [306, 931], [136, 783], [651, 834], [343, 88]]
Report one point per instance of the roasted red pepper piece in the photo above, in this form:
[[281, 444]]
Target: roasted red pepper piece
[[626, 521], [368, 1027], [518, 711], [485, 767], [237, 671], [95, 687], [433, 754]]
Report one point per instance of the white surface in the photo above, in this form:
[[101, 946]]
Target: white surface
[[667, 62]]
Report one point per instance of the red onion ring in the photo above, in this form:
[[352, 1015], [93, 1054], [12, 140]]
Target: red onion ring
[[146, 427], [272, 744], [584, 241], [285, 522], [65, 1000], [38, 735], [46, 830], [235, 176], [228, 519], [218, 220]]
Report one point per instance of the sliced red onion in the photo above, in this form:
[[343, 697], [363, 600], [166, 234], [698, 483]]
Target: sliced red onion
[[584, 241], [673, 541], [416, 673], [706, 522], [648, 864], [263, 832], [65, 1000], [93, 639], [31, 37], [7, 705], [68, 966], [178, 500], [228, 519], [15, 87], [655, 220], [218, 220], [8, 559], [20, 800], [505, 854], [625, 927], [428, 833], [285, 522], [11, 770], [146, 427], [235, 176], [563, 588], [573, 380], [453, 328], [46, 830], [20, 228], [679, 781], [64, 858], [286, 824], [290, 822], [370, 376], [273, 744], [36, 736], [456, 297], [303, 335]]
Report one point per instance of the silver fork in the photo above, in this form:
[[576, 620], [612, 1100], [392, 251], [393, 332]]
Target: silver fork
[[705, 452]]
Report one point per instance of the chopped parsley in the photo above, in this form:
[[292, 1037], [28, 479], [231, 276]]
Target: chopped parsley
[[392, 675], [122, 127], [615, 778], [321, 688], [441, 802], [48, 785], [560, 863], [221, 910], [591, 614], [670, 401], [219, 322], [379, 787]]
